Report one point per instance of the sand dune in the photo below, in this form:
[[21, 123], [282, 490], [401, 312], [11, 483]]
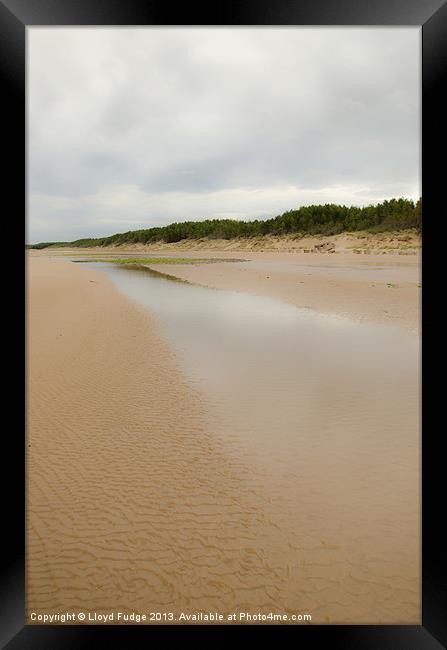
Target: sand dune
[[406, 242]]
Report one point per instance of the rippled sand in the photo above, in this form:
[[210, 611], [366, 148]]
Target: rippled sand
[[141, 499]]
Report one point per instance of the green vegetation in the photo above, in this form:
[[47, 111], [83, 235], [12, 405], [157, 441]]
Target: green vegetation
[[163, 260], [329, 219]]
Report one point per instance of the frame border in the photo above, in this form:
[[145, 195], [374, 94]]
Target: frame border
[[431, 15]]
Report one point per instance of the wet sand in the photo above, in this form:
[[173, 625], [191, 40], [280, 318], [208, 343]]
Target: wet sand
[[373, 288], [132, 505], [140, 500], [377, 288]]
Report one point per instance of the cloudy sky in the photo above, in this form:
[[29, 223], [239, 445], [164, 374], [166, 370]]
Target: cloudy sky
[[131, 128]]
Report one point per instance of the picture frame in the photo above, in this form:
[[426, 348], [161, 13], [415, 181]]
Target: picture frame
[[431, 16]]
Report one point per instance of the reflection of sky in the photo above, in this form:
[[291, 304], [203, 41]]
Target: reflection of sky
[[225, 332]]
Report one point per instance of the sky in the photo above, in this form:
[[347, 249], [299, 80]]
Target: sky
[[131, 128]]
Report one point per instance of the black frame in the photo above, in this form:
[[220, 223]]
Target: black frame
[[15, 16]]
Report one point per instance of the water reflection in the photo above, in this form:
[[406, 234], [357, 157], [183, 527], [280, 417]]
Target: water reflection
[[321, 416], [273, 357]]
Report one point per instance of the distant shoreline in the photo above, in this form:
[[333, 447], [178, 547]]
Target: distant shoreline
[[390, 216]]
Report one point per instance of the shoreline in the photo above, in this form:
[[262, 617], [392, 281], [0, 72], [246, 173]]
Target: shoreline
[[371, 291], [381, 289]]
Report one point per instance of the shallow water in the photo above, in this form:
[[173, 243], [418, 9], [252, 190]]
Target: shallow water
[[223, 335], [322, 415]]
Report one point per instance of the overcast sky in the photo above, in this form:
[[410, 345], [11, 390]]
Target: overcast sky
[[131, 128]]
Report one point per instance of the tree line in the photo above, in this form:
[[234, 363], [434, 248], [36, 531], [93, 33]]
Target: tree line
[[328, 219]]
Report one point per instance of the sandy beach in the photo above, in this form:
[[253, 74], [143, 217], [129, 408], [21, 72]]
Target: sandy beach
[[223, 316], [127, 490], [139, 499]]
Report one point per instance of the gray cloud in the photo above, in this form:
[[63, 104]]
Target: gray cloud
[[137, 127]]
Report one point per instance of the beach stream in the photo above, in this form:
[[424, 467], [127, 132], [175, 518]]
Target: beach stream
[[320, 415]]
